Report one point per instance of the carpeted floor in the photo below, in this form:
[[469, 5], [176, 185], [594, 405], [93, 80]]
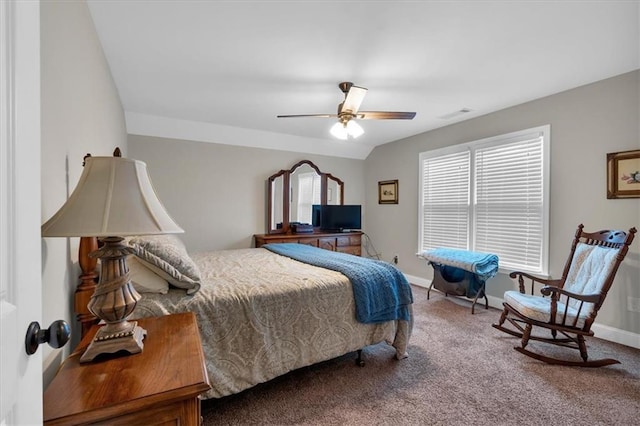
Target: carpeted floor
[[460, 371]]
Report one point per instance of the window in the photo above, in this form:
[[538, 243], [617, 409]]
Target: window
[[489, 196]]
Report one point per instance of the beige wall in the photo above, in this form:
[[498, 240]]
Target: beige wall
[[217, 193], [81, 113], [586, 124]]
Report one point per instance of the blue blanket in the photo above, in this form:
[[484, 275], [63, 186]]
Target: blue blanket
[[380, 290], [485, 265]]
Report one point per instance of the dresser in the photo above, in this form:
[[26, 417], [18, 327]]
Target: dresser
[[345, 242], [160, 385]]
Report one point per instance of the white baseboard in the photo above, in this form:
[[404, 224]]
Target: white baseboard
[[603, 332], [616, 335], [419, 281]]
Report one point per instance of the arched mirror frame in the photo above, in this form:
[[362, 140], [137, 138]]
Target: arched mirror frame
[[285, 176]]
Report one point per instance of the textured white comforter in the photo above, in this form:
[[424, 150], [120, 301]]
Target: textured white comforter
[[261, 315]]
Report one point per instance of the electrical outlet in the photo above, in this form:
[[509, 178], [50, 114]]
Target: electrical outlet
[[396, 259], [633, 304]]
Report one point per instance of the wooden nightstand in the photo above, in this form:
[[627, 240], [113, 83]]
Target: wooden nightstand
[[160, 385]]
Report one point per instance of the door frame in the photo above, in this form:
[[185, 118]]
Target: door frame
[[20, 207]]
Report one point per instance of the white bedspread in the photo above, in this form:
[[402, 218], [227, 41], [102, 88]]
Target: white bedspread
[[261, 315]]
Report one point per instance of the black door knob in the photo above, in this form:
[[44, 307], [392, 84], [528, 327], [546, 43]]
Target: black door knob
[[56, 335]]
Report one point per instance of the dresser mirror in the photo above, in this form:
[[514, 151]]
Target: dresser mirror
[[276, 204], [293, 192]]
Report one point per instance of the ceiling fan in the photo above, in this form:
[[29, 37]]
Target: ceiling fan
[[349, 110]]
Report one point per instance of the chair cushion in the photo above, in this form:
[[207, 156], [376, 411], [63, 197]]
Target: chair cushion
[[539, 308], [589, 270]]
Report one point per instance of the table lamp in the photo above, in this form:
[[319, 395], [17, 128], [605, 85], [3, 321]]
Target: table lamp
[[114, 199]]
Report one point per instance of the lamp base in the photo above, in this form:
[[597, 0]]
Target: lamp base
[[108, 342], [113, 300]]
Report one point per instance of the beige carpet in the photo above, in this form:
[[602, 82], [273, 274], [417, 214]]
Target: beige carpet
[[460, 371]]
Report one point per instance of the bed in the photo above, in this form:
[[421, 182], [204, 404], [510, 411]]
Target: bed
[[260, 314]]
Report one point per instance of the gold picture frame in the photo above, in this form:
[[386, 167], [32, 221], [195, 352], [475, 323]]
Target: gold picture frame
[[623, 174], [388, 192]]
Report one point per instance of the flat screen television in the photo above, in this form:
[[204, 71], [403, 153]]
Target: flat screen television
[[335, 217], [316, 212]]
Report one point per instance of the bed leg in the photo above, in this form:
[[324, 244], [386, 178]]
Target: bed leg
[[359, 360]]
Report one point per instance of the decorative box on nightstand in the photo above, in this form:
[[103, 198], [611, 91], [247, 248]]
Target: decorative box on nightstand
[[160, 385]]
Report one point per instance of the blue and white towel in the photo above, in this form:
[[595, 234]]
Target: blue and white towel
[[485, 265], [381, 291]]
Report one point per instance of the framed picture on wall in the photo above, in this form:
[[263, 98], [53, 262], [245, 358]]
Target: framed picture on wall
[[623, 174], [388, 192]]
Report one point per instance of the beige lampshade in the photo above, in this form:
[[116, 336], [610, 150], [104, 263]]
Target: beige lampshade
[[114, 197]]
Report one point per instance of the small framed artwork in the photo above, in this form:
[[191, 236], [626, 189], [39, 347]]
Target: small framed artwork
[[388, 192], [623, 174]]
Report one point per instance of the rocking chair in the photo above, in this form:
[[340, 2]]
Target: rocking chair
[[568, 305]]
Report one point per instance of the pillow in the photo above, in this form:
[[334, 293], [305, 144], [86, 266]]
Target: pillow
[[144, 280], [167, 256]]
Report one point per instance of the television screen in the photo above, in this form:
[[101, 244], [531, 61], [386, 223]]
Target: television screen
[[340, 217], [316, 214]]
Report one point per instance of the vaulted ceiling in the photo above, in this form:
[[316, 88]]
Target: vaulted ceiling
[[220, 71]]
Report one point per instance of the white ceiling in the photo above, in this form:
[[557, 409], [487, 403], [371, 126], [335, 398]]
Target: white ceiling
[[220, 71]]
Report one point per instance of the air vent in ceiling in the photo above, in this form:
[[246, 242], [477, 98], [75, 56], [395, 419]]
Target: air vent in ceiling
[[454, 114]]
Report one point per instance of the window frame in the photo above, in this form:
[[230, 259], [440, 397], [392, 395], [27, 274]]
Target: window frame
[[544, 132]]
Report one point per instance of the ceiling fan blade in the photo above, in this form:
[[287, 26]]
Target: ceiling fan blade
[[385, 115], [308, 115], [354, 98]]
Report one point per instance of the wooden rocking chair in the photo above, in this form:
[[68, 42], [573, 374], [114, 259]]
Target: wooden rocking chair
[[568, 305]]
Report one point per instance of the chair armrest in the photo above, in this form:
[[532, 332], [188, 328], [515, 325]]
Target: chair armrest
[[547, 282], [561, 317], [590, 298]]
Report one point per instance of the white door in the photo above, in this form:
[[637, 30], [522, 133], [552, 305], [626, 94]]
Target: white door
[[20, 242]]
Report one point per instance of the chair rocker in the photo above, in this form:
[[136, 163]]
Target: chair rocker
[[569, 305]]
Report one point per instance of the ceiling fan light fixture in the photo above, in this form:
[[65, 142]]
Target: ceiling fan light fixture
[[339, 130], [343, 129], [354, 129]]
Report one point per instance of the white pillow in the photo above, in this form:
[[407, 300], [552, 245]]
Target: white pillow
[[144, 280], [167, 256]]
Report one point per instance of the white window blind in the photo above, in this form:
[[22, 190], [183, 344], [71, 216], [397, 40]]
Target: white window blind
[[509, 203], [489, 196], [445, 194]]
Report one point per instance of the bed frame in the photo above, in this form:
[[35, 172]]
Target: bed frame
[[240, 363], [87, 285]]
